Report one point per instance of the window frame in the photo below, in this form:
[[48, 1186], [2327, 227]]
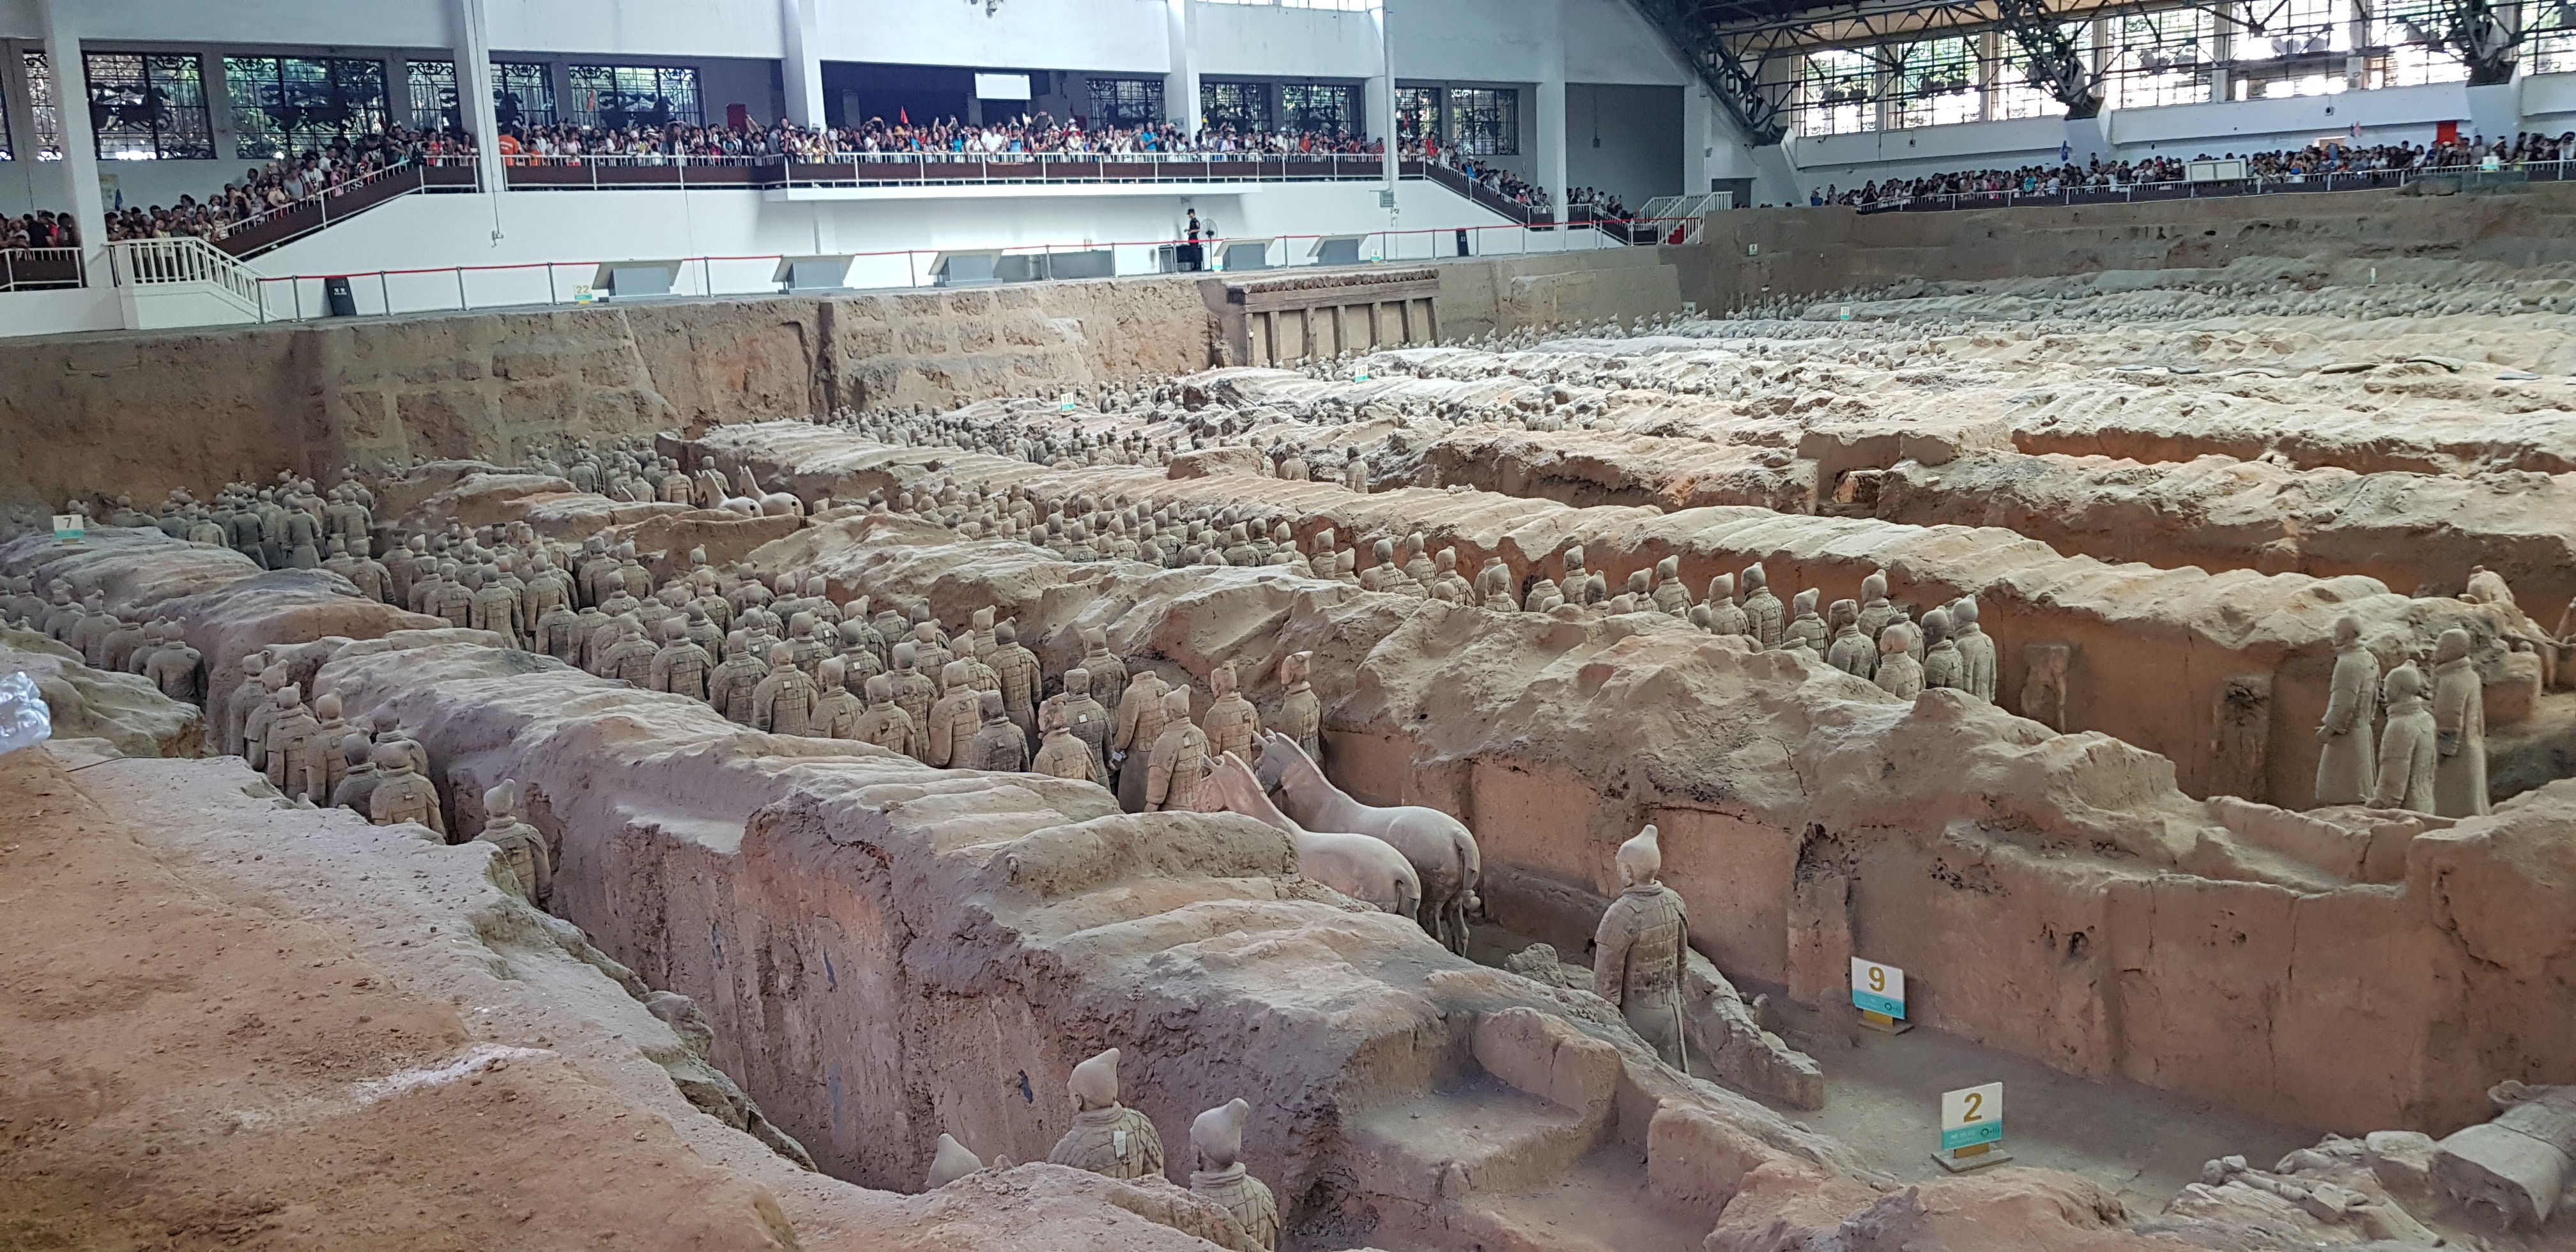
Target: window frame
[[668, 84], [1258, 94], [537, 80], [172, 74], [261, 89], [1129, 102], [1484, 121]]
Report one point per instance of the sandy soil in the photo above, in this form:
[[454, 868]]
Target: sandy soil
[[224, 1024]]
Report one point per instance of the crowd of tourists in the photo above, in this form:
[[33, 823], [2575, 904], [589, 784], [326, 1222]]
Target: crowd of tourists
[[324, 170], [878, 138], [2294, 165], [281, 183]]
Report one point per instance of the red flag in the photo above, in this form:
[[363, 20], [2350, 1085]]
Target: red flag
[[902, 117]]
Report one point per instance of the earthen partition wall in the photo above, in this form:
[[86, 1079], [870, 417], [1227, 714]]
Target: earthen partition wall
[[2054, 894], [142, 412], [1753, 253], [2199, 635]]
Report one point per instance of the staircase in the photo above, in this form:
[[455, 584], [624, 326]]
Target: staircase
[[1485, 197], [183, 281], [289, 222]]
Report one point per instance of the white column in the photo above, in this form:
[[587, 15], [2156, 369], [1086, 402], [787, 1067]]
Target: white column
[[219, 107], [1699, 136], [1381, 94], [1551, 111], [803, 70], [471, 44], [80, 144], [397, 88], [20, 103], [1181, 85]]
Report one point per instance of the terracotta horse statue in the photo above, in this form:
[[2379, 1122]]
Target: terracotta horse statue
[[1439, 847], [1365, 869]]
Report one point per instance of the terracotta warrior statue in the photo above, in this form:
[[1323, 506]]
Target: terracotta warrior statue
[[523, 849], [1107, 1137], [1899, 674], [2344, 768], [1762, 609], [783, 702], [952, 1161], [998, 743], [680, 666], [885, 724], [401, 794], [1976, 650], [1640, 949], [1060, 755], [1217, 1138], [1725, 616], [1494, 586], [954, 720], [1179, 760], [2407, 750], [1851, 652], [1017, 669], [836, 711], [914, 693], [1942, 664], [1875, 609], [1131, 743], [1231, 723], [1806, 631], [1108, 673], [1300, 717], [1669, 593], [2460, 718]]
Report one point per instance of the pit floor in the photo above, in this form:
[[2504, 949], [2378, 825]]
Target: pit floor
[[1883, 1100]]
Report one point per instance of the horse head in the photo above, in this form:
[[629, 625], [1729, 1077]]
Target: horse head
[[1231, 788], [1279, 756]]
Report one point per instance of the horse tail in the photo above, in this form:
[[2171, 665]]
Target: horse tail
[[1471, 862], [1408, 895]]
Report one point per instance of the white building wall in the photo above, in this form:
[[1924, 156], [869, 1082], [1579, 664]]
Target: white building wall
[[1109, 36], [901, 233], [1265, 41]]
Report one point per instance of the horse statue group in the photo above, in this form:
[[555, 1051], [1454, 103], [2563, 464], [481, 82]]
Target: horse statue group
[[1406, 859]]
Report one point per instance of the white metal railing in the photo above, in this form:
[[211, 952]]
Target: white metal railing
[[456, 288], [408, 167], [532, 171], [32, 269], [183, 259]]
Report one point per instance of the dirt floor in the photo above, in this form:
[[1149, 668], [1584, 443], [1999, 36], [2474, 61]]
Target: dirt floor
[[2140, 1143], [227, 1024], [187, 1072], [1884, 1100]]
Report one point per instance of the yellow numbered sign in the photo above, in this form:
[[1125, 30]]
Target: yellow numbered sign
[[1878, 988], [1972, 1117]]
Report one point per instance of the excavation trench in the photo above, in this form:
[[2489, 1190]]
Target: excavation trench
[[892, 952], [2416, 533], [2242, 658], [888, 951], [1816, 816]]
